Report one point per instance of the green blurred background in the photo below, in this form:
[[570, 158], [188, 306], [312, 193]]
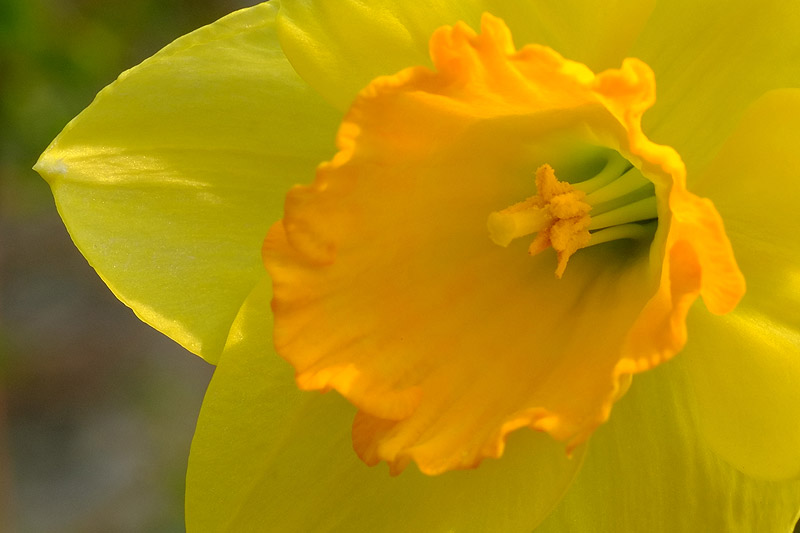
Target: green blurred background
[[97, 410]]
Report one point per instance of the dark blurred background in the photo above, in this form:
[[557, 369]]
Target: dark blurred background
[[97, 410]]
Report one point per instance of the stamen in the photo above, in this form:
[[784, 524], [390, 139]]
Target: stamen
[[631, 181], [625, 231], [558, 213], [619, 197], [615, 166], [637, 211]]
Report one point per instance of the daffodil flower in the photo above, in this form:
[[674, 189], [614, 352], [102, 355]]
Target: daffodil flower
[[453, 216]]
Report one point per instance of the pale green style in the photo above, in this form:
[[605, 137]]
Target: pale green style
[[170, 179]]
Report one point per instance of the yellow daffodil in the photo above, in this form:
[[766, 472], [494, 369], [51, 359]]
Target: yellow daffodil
[[453, 215]]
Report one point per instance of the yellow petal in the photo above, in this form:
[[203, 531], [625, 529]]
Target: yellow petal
[[649, 469], [267, 456], [712, 59], [746, 366], [388, 289], [339, 48], [598, 34], [170, 179]]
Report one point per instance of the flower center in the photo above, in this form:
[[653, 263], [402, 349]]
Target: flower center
[[617, 203], [445, 342]]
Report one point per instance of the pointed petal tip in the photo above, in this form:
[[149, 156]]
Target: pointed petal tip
[[49, 168]]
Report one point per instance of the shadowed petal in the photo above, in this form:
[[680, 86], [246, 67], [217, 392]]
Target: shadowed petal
[[746, 366], [712, 59], [340, 47], [649, 469]]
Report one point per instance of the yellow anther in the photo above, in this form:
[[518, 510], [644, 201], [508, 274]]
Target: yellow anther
[[557, 212]]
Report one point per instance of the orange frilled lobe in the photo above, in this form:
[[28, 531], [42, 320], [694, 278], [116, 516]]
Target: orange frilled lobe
[[388, 289]]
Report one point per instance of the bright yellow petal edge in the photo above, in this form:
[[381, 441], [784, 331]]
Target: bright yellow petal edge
[[423, 397]]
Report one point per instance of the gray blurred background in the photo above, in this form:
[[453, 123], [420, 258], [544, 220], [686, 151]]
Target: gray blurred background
[[97, 410]]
